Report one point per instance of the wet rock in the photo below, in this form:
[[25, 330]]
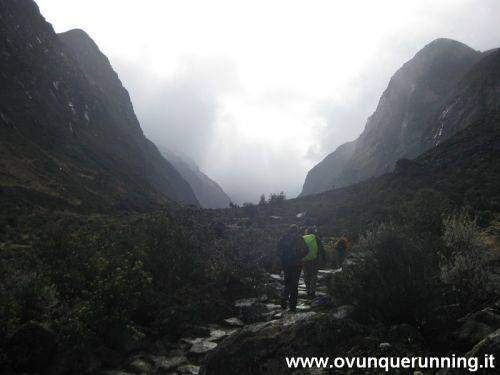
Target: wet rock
[[272, 307], [290, 319], [31, 348], [302, 334], [217, 334], [192, 341], [275, 277], [303, 307], [343, 312], [245, 302], [165, 364], [189, 370], [234, 322], [202, 347], [140, 365]]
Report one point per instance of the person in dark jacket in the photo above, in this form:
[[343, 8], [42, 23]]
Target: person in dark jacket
[[291, 249]]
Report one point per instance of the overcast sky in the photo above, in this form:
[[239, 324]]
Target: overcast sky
[[257, 92]]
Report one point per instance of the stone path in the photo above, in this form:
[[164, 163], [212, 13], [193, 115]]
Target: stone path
[[185, 356]]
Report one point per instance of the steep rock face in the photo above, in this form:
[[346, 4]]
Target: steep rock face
[[325, 174], [477, 94], [399, 125], [207, 191], [66, 139]]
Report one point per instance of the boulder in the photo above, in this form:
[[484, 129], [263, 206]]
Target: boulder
[[140, 365], [202, 347], [165, 363], [260, 348], [31, 348], [233, 322], [343, 312], [217, 334], [189, 370]]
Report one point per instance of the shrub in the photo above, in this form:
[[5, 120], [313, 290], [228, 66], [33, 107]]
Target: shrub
[[390, 277], [465, 261]]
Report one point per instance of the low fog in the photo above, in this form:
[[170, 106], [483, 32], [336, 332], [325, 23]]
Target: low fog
[[258, 92]]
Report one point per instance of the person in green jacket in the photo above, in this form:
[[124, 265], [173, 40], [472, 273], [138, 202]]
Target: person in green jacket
[[312, 260]]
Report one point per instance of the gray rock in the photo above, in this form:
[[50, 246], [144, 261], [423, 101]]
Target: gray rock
[[303, 307], [234, 322], [164, 363], [140, 365], [117, 372], [189, 370], [384, 345], [272, 307], [343, 312], [192, 341], [217, 334], [202, 347], [245, 302], [248, 351]]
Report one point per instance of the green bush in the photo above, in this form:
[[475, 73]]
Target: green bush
[[465, 261], [390, 277], [109, 281]]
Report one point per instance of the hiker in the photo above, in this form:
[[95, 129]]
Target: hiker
[[292, 249], [312, 259], [342, 246]]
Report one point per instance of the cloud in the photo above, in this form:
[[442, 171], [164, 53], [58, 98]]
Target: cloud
[[257, 92]]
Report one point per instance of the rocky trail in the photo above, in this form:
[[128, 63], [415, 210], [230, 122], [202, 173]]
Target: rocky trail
[[188, 354]]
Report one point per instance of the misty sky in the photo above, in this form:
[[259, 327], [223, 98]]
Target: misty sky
[[257, 92]]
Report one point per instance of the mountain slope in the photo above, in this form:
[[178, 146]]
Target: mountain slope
[[325, 174], [398, 126], [464, 168], [68, 140], [207, 191]]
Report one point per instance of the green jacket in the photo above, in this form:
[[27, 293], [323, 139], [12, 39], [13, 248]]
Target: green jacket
[[312, 244]]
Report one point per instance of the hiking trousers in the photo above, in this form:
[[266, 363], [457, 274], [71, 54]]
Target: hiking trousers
[[311, 277], [291, 291]]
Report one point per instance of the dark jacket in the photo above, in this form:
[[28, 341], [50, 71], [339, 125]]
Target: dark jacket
[[321, 249], [291, 250]]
